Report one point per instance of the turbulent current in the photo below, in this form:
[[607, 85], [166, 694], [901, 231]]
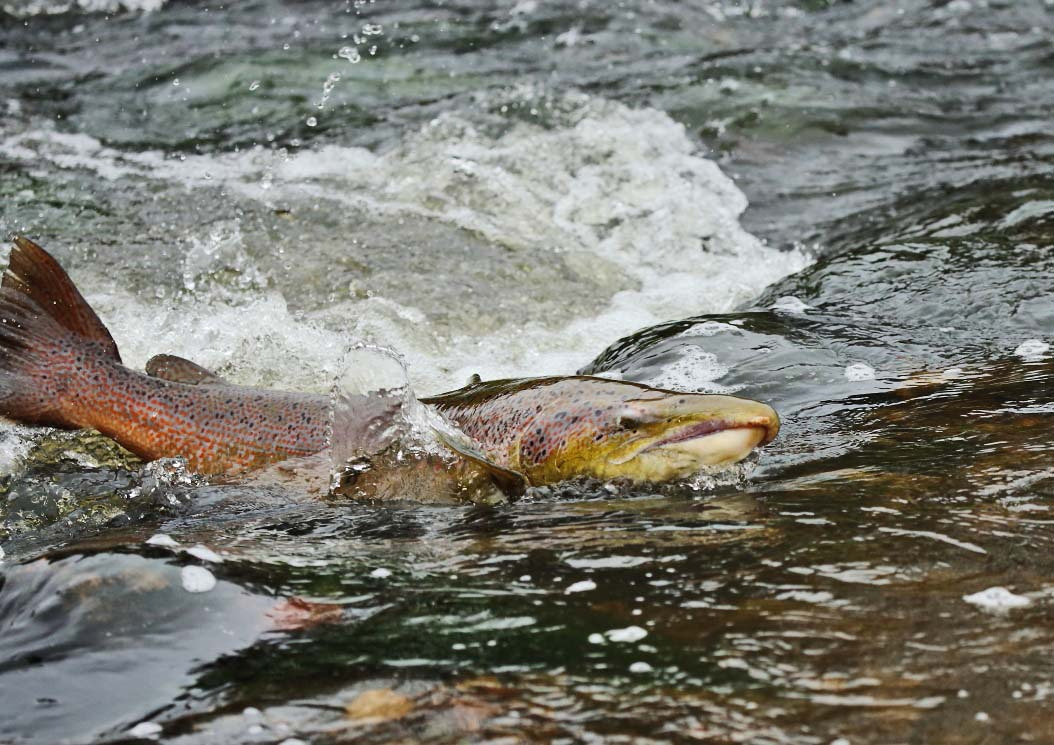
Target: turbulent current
[[842, 209]]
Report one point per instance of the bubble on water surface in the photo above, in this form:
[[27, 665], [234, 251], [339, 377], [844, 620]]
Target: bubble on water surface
[[859, 371], [197, 579], [629, 634], [351, 54], [997, 600], [581, 586], [1032, 350]]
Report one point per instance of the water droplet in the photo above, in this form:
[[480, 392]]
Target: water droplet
[[254, 85], [351, 54], [176, 82], [311, 121]]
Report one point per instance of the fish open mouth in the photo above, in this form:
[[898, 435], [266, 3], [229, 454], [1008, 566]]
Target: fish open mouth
[[709, 427], [715, 442]]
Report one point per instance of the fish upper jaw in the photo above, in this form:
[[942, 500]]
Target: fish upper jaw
[[767, 426], [723, 435]]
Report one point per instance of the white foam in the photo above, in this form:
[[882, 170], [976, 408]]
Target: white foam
[[582, 586], [694, 369], [15, 444], [608, 562], [162, 539], [629, 634], [790, 304], [997, 600], [613, 192], [1032, 350], [147, 730], [27, 8], [859, 371]]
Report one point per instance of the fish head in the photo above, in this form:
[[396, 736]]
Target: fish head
[[615, 430]]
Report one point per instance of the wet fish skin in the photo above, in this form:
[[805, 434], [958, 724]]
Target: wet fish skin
[[552, 429], [60, 367]]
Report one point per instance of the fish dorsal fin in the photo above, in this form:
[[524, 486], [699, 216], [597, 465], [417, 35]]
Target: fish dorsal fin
[[511, 482], [33, 272], [179, 370]]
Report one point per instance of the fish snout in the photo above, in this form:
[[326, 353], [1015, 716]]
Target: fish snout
[[715, 413], [768, 420]]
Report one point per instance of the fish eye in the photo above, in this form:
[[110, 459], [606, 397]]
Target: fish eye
[[629, 422]]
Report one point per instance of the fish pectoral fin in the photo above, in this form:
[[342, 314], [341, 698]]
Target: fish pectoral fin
[[511, 482], [179, 370]]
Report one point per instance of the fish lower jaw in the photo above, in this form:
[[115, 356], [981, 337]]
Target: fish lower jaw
[[683, 458], [719, 448]]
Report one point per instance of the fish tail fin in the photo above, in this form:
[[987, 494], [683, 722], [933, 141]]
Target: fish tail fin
[[49, 338]]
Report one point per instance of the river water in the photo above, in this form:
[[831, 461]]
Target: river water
[[530, 188]]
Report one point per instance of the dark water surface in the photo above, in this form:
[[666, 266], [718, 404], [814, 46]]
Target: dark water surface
[[507, 188]]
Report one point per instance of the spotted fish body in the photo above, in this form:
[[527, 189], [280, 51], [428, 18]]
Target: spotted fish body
[[216, 428], [60, 367], [523, 424], [551, 429]]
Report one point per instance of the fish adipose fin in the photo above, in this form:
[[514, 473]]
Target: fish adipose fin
[[180, 370], [49, 338]]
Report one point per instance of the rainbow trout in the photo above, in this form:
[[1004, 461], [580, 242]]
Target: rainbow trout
[[60, 367]]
